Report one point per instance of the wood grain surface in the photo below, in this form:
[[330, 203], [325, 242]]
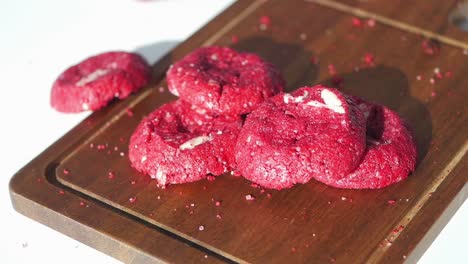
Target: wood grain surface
[[430, 15], [68, 186]]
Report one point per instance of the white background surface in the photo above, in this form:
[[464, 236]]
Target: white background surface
[[39, 39]]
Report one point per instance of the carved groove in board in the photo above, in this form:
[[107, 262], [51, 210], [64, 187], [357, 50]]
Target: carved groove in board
[[389, 22], [377, 255], [52, 178]]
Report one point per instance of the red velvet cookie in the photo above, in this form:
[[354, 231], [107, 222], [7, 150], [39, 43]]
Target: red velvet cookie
[[390, 155], [224, 81], [94, 82], [178, 143], [311, 133]]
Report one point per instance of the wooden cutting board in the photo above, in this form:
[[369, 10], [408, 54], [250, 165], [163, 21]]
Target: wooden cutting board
[[125, 215]]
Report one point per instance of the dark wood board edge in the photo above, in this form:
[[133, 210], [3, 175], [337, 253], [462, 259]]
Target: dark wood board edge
[[432, 218], [77, 230]]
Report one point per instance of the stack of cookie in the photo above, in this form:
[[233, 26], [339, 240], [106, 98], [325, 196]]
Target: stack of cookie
[[232, 116], [195, 136]]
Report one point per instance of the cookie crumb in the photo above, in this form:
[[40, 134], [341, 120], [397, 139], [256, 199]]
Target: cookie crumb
[[265, 22], [234, 39], [249, 197], [431, 47], [356, 22]]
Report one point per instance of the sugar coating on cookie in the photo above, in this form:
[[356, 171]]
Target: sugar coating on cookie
[[94, 82], [314, 132], [224, 81], [391, 151], [179, 143]]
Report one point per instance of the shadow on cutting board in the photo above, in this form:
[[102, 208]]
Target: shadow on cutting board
[[154, 51], [157, 53], [390, 86], [291, 58]]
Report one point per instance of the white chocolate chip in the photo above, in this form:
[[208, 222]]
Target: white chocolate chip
[[331, 102], [174, 91], [91, 77], [297, 99], [192, 143], [160, 176]]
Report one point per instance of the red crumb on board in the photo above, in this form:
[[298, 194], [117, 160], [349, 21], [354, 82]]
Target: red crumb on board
[[331, 69], [431, 47], [369, 59], [356, 22], [210, 178], [265, 20]]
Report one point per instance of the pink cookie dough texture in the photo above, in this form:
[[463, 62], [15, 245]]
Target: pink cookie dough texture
[[313, 132], [94, 82], [179, 143], [224, 81], [391, 151]]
